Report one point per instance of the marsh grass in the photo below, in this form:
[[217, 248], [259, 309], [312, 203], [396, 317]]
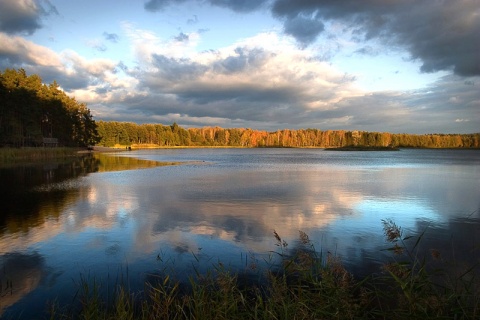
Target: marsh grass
[[420, 284], [299, 283], [15, 155]]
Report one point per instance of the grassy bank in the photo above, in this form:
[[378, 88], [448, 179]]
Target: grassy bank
[[22, 155], [305, 284]]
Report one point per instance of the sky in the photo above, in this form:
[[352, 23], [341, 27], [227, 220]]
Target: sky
[[401, 66]]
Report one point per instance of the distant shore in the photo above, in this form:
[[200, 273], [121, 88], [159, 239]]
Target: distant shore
[[363, 148]]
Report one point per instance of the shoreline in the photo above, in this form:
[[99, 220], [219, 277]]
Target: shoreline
[[97, 149], [363, 148]]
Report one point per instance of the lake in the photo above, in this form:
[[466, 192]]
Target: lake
[[121, 219]]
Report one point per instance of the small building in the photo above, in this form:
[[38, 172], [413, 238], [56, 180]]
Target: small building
[[50, 142]]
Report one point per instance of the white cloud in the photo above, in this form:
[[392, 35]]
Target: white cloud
[[264, 63], [18, 50], [93, 67]]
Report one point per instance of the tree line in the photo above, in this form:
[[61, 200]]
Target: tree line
[[128, 133], [31, 111]]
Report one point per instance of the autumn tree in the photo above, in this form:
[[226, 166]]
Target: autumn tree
[[174, 135]]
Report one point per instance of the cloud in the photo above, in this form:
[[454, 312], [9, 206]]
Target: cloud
[[368, 51], [259, 80], [68, 68], [181, 37], [148, 46], [112, 37], [437, 108], [99, 44], [263, 82], [158, 5], [16, 50], [243, 6], [24, 16], [24, 271], [442, 34], [267, 82], [304, 29]]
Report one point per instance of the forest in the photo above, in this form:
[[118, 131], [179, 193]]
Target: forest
[[128, 133], [31, 112]]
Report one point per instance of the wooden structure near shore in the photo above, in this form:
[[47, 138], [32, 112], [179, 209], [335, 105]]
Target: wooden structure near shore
[[50, 142]]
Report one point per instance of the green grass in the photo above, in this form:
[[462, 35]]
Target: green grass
[[304, 285], [16, 155]]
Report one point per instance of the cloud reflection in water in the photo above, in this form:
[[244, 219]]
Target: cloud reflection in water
[[231, 206]]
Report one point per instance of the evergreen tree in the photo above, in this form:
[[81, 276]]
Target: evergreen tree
[[31, 111]]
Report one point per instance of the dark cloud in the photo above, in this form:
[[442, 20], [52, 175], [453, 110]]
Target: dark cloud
[[304, 30], [442, 34], [9, 59], [250, 94], [183, 79], [175, 70], [240, 6], [222, 103], [112, 37], [368, 51], [121, 66], [181, 37], [243, 6], [178, 86], [244, 59], [71, 81], [158, 5], [24, 16], [233, 64]]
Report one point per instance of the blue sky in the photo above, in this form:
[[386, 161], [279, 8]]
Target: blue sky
[[376, 65]]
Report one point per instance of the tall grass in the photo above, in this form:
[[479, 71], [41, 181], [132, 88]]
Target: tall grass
[[304, 284], [418, 288], [15, 155]]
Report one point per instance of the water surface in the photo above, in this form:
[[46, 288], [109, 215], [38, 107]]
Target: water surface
[[123, 218]]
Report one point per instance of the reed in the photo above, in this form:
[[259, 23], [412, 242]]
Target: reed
[[300, 283], [414, 286], [15, 155]]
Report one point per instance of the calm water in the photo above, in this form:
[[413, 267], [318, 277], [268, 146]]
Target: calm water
[[119, 219]]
